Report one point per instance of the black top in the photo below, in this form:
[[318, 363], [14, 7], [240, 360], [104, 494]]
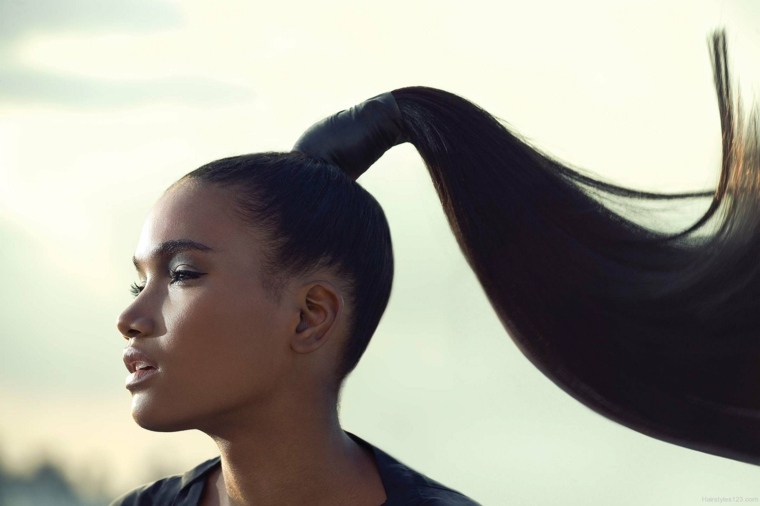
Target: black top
[[403, 486]]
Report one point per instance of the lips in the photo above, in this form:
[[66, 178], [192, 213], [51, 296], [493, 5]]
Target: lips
[[136, 360], [140, 366]]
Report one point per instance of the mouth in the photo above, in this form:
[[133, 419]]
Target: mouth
[[140, 375], [140, 366]]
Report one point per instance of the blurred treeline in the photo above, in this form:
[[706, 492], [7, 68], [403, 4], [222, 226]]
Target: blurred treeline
[[46, 485]]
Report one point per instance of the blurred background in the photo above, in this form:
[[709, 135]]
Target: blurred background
[[105, 103]]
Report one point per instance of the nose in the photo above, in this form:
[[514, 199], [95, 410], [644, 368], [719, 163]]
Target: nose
[[133, 323]]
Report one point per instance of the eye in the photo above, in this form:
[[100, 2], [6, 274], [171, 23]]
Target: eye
[[180, 275], [177, 276]]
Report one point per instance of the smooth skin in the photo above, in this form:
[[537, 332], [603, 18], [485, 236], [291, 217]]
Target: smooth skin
[[253, 373]]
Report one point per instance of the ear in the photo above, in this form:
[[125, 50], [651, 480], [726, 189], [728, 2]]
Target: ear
[[320, 304]]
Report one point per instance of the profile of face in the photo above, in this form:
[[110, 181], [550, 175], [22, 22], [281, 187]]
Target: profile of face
[[216, 344]]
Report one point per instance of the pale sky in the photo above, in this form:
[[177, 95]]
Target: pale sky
[[103, 104]]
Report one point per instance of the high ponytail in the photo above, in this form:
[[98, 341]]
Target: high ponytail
[[656, 331]]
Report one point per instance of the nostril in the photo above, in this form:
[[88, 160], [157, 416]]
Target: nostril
[[131, 333], [130, 327]]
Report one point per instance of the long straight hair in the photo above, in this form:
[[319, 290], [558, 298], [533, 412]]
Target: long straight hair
[[657, 331]]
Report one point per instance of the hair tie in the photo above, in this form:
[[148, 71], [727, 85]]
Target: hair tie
[[355, 138]]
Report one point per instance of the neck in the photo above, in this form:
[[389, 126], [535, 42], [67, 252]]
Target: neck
[[295, 456]]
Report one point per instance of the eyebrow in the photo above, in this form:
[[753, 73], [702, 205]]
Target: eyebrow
[[170, 248]]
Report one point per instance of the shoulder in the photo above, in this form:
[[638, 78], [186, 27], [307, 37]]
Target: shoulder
[[406, 487], [169, 490], [162, 491], [415, 489]]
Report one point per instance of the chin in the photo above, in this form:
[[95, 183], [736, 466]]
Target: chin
[[158, 417]]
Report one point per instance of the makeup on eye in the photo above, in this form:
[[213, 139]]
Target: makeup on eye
[[176, 275], [179, 275]]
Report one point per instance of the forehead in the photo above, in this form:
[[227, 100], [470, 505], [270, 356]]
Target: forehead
[[195, 212]]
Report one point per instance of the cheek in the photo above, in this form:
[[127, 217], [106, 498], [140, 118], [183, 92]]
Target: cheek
[[221, 351], [224, 337]]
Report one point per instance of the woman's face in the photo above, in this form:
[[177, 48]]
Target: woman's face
[[217, 343]]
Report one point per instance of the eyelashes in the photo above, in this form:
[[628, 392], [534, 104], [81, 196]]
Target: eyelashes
[[135, 289], [177, 276]]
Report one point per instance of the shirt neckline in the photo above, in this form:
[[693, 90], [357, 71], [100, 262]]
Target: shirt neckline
[[196, 479]]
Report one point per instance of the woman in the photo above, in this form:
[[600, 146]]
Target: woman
[[263, 277]]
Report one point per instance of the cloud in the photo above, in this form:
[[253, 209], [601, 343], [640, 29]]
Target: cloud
[[27, 86], [19, 18], [21, 83]]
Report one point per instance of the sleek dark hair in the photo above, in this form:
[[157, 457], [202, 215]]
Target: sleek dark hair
[[313, 215], [657, 331]]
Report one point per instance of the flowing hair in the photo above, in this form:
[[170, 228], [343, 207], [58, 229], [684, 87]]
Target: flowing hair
[[657, 331]]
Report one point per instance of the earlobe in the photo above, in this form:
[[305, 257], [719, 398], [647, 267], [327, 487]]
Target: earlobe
[[319, 309]]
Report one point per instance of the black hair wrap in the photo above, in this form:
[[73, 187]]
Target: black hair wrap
[[355, 138]]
